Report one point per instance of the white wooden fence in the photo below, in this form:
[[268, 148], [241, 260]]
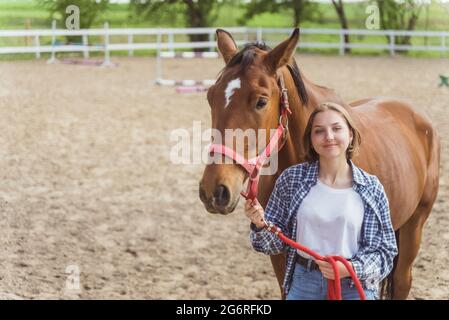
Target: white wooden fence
[[245, 33]]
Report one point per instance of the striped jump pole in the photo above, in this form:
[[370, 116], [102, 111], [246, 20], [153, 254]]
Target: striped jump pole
[[167, 82], [189, 55], [184, 86]]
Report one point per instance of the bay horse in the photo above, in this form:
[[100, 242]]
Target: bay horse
[[399, 144]]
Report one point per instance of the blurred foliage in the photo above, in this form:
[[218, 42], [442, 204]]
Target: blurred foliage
[[20, 14], [399, 15], [300, 10], [89, 11], [194, 14]]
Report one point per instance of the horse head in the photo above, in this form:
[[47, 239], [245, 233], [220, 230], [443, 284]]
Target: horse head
[[245, 98]]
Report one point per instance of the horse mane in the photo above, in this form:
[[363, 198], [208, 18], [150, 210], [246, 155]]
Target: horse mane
[[246, 56]]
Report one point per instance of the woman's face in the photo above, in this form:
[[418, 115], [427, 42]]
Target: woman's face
[[330, 135]]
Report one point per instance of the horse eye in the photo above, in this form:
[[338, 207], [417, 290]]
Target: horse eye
[[261, 103]]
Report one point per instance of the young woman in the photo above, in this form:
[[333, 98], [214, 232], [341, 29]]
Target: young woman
[[331, 206]]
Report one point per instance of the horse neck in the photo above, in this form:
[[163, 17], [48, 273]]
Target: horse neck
[[293, 152]]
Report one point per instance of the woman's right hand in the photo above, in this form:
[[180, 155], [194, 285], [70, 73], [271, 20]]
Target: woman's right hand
[[255, 213]]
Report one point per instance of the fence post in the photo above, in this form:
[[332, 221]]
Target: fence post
[[106, 62], [259, 34], [53, 43], [170, 41], [211, 39], [158, 57], [130, 42], [86, 47], [27, 27], [37, 44], [342, 43], [443, 45], [392, 44]]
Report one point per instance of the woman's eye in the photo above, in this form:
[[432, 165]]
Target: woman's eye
[[261, 103], [337, 128]]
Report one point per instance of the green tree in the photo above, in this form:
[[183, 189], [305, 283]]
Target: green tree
[[194, 13], [89, 11], [399, 15], [301, 10], [340, 9]]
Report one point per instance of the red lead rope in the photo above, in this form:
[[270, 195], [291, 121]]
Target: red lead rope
[[333, 286]]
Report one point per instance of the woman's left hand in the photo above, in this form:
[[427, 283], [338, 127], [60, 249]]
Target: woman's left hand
[[328, 272]]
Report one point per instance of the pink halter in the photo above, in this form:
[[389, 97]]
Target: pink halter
[[253, 166]]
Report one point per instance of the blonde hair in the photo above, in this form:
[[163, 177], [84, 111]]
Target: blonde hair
[[311, 155]]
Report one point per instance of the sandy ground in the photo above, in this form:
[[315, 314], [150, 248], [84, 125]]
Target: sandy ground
[[87, 184]]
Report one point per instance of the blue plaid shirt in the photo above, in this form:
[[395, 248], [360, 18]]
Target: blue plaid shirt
[[377, 249]]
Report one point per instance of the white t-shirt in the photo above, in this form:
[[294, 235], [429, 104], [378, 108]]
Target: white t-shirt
[[330, 221]]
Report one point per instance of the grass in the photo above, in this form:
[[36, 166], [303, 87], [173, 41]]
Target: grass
[[14, 13]]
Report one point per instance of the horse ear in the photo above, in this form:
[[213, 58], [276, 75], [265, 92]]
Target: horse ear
[[282, 53], [226, 45]]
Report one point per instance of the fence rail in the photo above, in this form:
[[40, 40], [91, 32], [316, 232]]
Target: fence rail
[[170, 44]]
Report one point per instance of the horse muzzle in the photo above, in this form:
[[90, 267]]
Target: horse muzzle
[[221, 200]]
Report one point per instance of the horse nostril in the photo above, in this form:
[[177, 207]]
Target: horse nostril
[[222, 195]]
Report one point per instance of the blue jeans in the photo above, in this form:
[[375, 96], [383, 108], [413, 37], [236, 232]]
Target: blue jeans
[[311, 285]]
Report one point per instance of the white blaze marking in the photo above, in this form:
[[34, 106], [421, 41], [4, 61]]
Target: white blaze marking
[[232, 85]]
